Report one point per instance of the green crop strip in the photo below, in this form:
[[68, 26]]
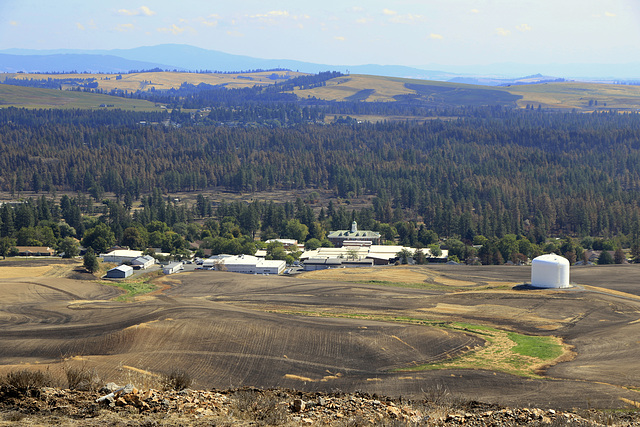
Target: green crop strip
[[504, 351], [133, 288]]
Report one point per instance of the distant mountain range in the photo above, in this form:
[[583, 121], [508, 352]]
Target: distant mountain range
[[185, 57]]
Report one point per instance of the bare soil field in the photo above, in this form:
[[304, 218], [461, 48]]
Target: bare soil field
[[327, 333]]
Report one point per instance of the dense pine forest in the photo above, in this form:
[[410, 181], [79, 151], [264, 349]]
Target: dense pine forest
[[469, 172]]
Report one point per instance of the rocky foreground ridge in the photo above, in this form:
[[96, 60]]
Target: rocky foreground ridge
[[128, 406]]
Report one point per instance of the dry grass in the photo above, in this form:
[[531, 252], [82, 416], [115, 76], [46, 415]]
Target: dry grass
[[399, 275], [549, 95], [342, 87], [28, 97], [577, 95], [168, 80], [498, 355], [53, 270]]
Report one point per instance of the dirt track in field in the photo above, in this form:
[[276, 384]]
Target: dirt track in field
[[230, 329]]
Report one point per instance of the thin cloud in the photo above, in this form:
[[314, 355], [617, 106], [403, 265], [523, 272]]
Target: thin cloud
[[235, 34], [80, 26], [14, 23], [142, 10], [474, 11], [208, 23], [276, 17], [503, 32], [146, 11], [436, 36], [271, 14], [339, 38], [407, 19], [389, 12], [610, 15], [173, 29], [123, 28], [524, 27]]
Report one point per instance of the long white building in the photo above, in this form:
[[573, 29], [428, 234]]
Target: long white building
[[121, 256], [247, 264]]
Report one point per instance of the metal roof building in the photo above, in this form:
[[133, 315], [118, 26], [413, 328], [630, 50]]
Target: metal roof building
[[120, 272], [143, 262]]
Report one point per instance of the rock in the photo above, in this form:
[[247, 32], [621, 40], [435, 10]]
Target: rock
[[128, 389], [109, 388], [321, 401], [298, 405]]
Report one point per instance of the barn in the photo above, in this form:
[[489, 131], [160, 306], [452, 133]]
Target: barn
[[120, 272]]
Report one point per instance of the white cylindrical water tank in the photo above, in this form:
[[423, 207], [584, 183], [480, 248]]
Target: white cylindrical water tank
[[550, 271]]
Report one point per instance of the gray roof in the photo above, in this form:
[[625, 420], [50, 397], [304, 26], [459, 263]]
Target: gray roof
[[361, 234], [143, 259], [123, 267]]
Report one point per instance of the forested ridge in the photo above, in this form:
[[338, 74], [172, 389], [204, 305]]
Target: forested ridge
[[491, 171]]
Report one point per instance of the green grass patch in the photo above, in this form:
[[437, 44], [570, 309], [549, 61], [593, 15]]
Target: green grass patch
[[503, 351], [133, 288], [544, 348]]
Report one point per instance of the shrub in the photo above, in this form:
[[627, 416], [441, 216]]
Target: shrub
[[82, 378], [262, 407], [28, 380], [177, 380]]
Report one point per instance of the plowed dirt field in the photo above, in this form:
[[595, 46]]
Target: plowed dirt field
[[230, 330]]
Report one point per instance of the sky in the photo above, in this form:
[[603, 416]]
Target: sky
[[386, 32]]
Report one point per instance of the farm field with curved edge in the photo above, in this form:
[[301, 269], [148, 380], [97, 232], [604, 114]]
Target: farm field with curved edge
[[392, 331]]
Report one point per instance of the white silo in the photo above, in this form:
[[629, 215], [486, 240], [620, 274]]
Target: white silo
[[550, 271]]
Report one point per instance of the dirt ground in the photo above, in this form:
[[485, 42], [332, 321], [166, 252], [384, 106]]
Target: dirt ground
[[307, 333]]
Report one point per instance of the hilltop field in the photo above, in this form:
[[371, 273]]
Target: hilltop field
[[578, 96], [475, 332]]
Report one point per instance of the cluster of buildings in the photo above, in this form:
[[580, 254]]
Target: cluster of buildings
[[353, 248], [128, 260]]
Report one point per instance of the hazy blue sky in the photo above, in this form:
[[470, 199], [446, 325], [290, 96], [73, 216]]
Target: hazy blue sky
[[403, 32]]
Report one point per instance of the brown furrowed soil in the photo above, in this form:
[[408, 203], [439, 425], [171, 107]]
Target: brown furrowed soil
[[304, 332]]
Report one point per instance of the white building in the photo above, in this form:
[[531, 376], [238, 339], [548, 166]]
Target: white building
[[378, 254], [143, 262], [120, 272], [121, 256], [173, 267], [249, 264], [550, 271]]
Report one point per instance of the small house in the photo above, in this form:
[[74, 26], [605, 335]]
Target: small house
[[34, 251]]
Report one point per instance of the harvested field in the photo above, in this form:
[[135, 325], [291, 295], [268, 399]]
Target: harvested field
[[326, 332]]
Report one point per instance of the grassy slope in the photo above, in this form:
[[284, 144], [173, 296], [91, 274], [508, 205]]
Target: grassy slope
[[27, 97], [166, 80], [577, 95], [352, 87], [549, 95]]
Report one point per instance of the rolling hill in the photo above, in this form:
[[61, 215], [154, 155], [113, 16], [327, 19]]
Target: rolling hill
[[27, 97], [356, 87]]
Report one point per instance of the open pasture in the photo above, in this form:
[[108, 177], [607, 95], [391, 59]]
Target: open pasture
[[316, 332], [28, 97]]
